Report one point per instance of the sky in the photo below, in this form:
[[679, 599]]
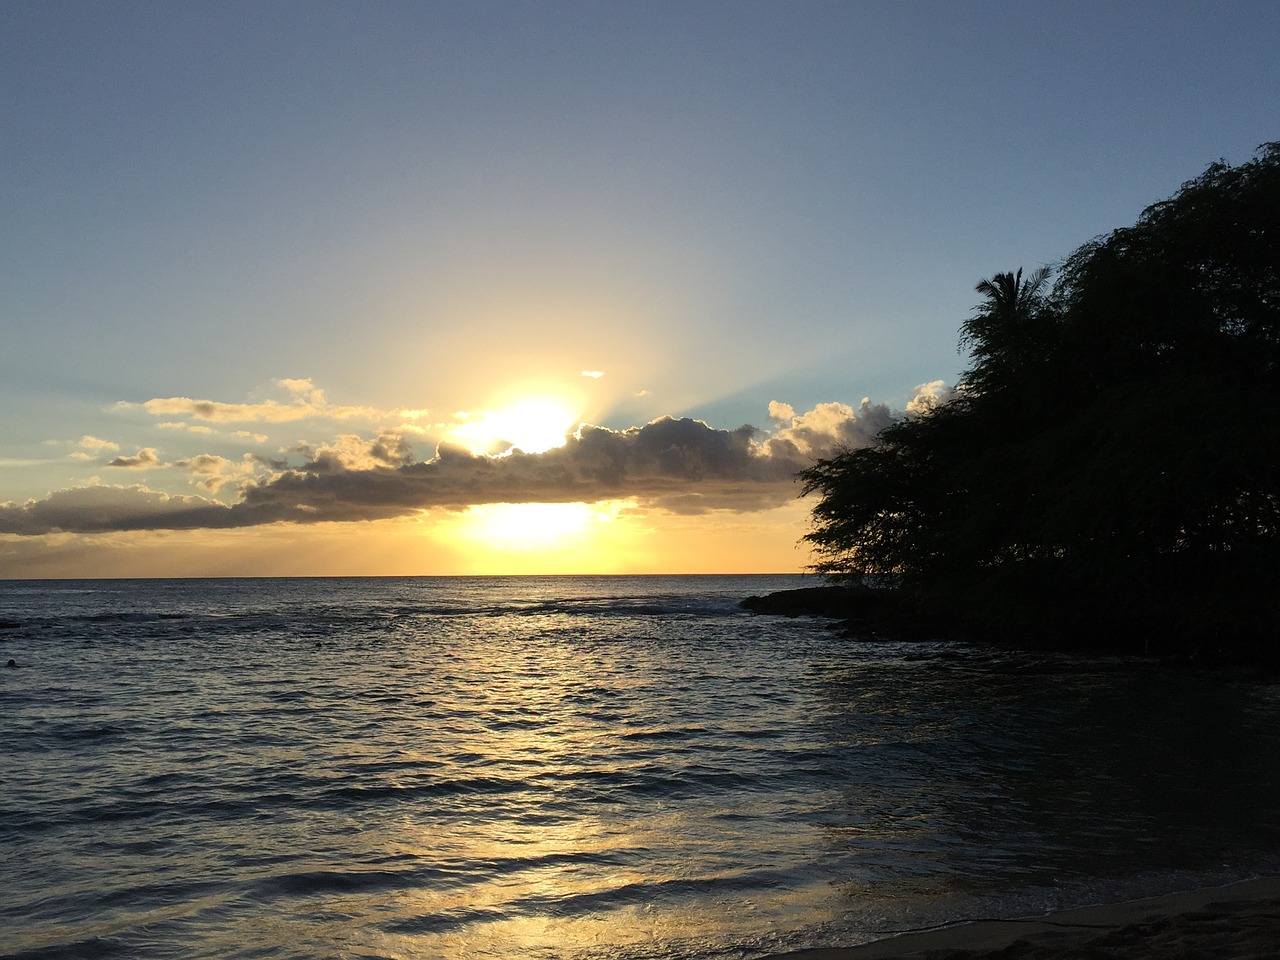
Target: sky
[[383, 288]]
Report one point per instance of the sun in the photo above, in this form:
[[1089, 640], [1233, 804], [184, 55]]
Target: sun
[[531, 424]]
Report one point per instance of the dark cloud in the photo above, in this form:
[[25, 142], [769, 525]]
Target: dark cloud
[[667, 460], [680, 465], [102, 508]]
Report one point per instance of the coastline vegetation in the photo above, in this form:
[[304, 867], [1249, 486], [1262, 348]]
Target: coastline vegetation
[[1107, 473]]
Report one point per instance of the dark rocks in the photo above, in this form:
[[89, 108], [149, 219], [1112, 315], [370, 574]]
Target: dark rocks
[[866, 612]]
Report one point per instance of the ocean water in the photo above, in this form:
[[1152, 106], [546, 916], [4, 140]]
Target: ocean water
[[595, 767]]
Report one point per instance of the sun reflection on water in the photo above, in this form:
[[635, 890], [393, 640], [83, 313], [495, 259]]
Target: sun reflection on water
[[563, 862]]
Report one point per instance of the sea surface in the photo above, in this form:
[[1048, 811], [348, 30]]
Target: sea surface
[[578, 767]]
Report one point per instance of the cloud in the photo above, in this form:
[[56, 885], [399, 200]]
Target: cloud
[[307, 401], [144, 459], [781, 412], [352, 453], [679, 465], [183, 425], [91, 448], [94, 443], [824, 430], [212, 472], [593, 374], [930, 395]]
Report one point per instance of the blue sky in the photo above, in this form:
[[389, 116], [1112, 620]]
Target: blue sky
[[447, 208]]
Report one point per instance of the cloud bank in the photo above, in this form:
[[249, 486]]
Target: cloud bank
[[680, 465]]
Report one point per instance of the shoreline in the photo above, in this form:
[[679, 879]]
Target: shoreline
[[1237, 920]]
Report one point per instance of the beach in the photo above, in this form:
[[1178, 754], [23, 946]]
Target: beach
[[1240, 921]]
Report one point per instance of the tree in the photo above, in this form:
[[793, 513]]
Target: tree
[[1109, 467], [1010, 334]]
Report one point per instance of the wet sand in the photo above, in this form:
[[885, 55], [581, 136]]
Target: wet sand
[[1240, 921]]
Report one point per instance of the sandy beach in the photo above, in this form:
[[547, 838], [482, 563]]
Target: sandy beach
[[1240, 921]]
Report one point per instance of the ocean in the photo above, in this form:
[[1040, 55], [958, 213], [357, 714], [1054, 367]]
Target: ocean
[[579, 767]]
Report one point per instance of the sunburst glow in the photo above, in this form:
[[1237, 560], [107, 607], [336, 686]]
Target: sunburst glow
[[534, 425], [524, 527]]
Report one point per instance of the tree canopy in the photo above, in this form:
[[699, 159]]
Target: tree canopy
[[1109, 470]]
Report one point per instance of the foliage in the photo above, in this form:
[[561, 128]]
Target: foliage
[[1110, 467]]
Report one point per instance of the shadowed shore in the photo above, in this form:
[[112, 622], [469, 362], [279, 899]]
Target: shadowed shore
[[1240, 921], [866, 612]]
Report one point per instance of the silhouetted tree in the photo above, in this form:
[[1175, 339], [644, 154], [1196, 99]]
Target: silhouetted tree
[[1011, 334], [1111, 465]]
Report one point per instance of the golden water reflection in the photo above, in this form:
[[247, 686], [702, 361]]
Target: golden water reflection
[[561, 863]]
